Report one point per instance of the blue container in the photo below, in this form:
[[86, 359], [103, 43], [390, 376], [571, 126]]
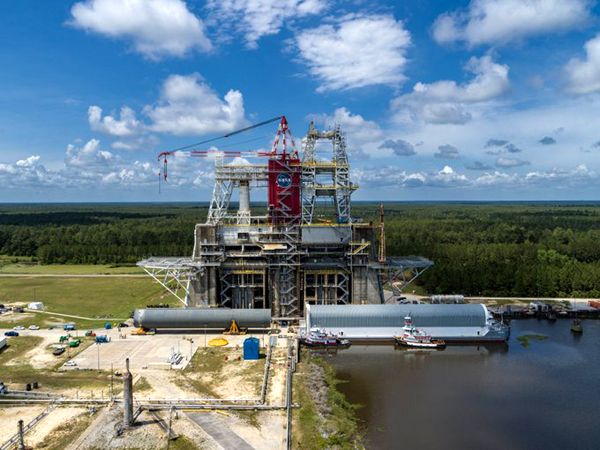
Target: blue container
[[107, 326], [251, 348]]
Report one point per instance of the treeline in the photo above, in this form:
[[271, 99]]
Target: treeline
[[478, 249], [98, 235], [502, 250]]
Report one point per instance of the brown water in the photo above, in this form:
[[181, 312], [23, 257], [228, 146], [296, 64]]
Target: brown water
[[545, 396]]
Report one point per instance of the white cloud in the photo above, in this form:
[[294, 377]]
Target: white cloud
[[362, 135], [511, 162], [157, 28], [392, 176], [126, 125], [445, 102], [356, 51], [258, 18], [188, 106], [88, 156], [502, 21], [584, 75], [28, 162]]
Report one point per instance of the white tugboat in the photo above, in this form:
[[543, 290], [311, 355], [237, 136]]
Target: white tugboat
[[413, 337], [318, 337]]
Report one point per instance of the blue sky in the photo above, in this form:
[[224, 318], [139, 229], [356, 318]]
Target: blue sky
[[454, 100]]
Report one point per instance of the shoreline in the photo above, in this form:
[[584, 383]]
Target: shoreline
[[325, 419]]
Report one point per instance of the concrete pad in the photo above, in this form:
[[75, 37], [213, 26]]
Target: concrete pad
[[143, 352]]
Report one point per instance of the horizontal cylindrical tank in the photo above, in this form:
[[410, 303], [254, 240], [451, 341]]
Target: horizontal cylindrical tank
[[201, 318]]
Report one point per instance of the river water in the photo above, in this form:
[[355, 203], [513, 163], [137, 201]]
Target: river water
[[543, 396]]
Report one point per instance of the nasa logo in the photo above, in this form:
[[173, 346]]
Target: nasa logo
[[284, 180]]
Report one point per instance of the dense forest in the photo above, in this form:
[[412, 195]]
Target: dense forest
[[478, 248]]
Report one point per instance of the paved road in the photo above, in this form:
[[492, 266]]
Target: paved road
[[219, 431]]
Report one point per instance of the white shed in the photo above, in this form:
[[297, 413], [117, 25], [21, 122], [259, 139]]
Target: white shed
[[39, 306]]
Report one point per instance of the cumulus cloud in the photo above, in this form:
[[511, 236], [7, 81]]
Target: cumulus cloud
[[156, 28], [547, 140], [124, 126], [88, 155], [356, 51], [502, 21], [257, 18], [31, 161], [583, 75], [511, 162], [85, 165], [391, 176], [399, 147], [447, 151], [188, 106], [361, 135], [445, 102], [478, 165], [499, 146]]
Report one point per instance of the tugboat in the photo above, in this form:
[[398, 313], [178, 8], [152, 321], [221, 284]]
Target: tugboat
[[413, 337], [318, 337]]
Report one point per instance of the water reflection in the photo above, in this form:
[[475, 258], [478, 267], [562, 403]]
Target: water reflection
[[545, 395]]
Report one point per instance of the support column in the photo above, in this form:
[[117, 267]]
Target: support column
[[127, 396]]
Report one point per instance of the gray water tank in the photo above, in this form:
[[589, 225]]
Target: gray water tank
[[201, 318]]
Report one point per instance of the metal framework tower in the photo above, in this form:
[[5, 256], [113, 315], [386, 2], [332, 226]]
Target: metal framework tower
[[337, 169], [284, 257]]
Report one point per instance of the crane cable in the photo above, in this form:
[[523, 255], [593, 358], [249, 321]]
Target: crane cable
[[233, 133], [206, 141]]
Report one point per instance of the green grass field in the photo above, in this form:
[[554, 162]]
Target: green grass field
[[67, 269], [87, 297]]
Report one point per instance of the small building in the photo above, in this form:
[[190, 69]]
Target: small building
[[38, 306], [251, 348]]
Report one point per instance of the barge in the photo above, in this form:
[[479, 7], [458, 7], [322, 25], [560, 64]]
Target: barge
[[464, 323]]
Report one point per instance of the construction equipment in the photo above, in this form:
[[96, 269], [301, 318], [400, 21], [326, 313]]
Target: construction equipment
[[234, 329]]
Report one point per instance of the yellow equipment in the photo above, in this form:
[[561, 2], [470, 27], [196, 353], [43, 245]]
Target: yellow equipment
[[218, 342], [234, 329]]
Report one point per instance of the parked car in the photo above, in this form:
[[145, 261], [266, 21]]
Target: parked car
[[59, 351], [34, 327], [70, 363], [11, 333], [19, 327], [123, 325]]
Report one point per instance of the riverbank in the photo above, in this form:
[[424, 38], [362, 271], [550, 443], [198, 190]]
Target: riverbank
[[325, 419]]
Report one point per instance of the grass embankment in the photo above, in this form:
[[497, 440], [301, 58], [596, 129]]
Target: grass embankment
[[17, 372], [86, 297], [325, 419]]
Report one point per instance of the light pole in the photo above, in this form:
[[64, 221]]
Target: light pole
[[205, 326], [98, 346]]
